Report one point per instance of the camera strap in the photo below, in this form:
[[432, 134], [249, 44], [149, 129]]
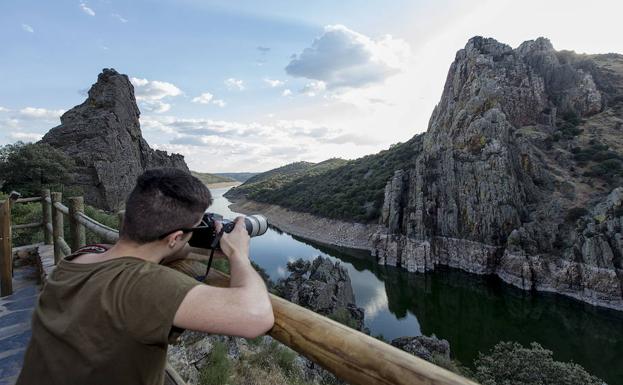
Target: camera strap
[[213, 246]]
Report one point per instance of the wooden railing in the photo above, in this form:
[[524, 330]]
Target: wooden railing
[[351, 355]]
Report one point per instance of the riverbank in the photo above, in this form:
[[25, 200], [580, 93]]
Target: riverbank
[[223, 184], [311, 227]]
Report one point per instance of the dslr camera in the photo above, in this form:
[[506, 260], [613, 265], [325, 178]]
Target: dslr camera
[[205, 234]]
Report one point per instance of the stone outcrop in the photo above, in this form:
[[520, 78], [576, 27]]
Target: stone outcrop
[[103, 136], [492, 189], [323, 287], [423, 346]]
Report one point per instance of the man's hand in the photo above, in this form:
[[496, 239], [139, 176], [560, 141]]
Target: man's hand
[[236, 243]]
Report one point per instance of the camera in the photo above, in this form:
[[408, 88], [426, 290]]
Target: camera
[[205, 234]]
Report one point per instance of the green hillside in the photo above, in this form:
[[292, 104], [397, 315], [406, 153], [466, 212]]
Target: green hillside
[[335, 188], [239, 176], [211, 178]]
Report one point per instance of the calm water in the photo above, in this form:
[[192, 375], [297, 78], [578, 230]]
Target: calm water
[[473, 313]]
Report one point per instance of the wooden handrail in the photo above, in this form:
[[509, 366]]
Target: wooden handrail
[[61, 207], [107, 233], [27, 225], [24, 200]]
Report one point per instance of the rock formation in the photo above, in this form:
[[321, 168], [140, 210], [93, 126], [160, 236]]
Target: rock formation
[[507, 180], [103, 136], [423, 346], [324, 287]]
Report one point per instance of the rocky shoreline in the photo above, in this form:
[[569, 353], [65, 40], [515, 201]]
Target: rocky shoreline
[[543, 276], [311, 227]]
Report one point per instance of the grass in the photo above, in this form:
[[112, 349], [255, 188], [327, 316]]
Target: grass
[[218, 368]]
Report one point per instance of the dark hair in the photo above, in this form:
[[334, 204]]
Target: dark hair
[[164, 199]]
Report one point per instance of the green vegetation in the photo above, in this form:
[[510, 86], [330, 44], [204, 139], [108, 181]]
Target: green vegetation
[[265, 364], [350, 190], [511, 363], [31, 212], [29, 167], [603, 163], [211, 178], [342, 316], [575, 213], [218, 369], [239, 176]]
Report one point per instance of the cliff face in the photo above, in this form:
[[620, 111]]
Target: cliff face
[[517, 174], [104, 138]]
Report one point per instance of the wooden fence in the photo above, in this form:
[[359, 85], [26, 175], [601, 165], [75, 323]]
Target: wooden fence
[[351, 355]]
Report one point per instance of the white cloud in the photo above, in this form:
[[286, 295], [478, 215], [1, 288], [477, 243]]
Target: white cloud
[[286, 92], [256, 146], [219, 102], [28, 28], [208, 98], [156, 106], [4, 109], [314, 88], [119, 17], [153, 89], [26, 136], [274, 82], [204, 98], [234, 84], [341, 57], [87, 10], [33, 113]]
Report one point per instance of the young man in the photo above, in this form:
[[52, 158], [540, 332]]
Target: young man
[[107, 318]]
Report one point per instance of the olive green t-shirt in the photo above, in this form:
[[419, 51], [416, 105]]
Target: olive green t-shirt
[[104, 323]]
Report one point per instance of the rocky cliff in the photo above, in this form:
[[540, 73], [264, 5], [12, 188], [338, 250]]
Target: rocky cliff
[[103, 136], [518, 174]]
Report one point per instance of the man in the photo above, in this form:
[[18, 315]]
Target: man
[[107, 318]]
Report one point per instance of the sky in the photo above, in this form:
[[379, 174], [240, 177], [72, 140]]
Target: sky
[[252, 85]]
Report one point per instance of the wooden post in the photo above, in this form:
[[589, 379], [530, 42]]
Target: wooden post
[[6, 251], [47, 215], [120, 216], [76, 229], [57, 226]]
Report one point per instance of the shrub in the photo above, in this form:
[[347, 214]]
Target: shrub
[[575, 213], [218, 369], [511, 363], [29, 167]]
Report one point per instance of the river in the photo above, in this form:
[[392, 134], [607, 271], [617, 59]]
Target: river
[[472, 312]]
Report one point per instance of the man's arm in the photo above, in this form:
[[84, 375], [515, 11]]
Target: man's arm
[[243, 309]]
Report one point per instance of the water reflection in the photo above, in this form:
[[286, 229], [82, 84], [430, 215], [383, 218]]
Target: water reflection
[[472, 312]]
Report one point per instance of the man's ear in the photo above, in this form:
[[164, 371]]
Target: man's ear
[[175, 237]]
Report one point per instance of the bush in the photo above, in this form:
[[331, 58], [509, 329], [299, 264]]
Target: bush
[[509, 363], [218, 369], [29, 167], [575, 213]]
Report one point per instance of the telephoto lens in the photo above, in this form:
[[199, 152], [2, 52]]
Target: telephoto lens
[[255, 224], [204, 235]]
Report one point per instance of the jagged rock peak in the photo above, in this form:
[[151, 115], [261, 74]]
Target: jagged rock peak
[[103, 136]]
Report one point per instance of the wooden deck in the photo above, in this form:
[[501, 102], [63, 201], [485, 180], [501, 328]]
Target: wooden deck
[[16, 314]]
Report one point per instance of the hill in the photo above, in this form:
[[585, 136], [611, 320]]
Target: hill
[[207, 178], [239, 176], [351, 190]]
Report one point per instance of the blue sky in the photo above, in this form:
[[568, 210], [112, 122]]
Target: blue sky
[[249, 85]]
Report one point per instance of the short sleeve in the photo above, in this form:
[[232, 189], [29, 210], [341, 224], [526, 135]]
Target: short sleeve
[[151, 297]]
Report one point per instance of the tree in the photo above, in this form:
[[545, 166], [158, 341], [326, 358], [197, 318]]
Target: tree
[[509, 363], [28, 167]]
